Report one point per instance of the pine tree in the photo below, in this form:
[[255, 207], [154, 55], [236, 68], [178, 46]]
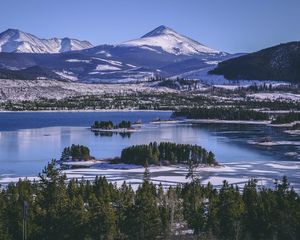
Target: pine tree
[[102, 224], [230, 212], [146, 213], [125, 203], [146, 173]]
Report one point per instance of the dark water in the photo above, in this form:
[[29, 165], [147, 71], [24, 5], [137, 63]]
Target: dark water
[[27, 120], [29, 140]]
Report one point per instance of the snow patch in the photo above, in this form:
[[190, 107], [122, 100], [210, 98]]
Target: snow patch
[[78, 60], [102, 67], [281, 166], [167, 40]]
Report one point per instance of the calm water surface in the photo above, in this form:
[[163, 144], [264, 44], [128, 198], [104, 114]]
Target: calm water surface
[[29, 140]]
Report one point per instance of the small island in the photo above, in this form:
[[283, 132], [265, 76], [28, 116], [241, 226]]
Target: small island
[[76, 156], [167, 153], [109, 126], [76, 153], [158, 154]]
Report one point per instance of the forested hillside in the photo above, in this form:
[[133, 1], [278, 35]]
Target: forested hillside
[[281, 62], [55, 209]]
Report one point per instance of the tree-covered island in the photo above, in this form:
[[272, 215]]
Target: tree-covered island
[[109, 126], [167, 153], [76, 153], [164, 153]]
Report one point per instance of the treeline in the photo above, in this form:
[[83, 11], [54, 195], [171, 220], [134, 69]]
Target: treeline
[[287, 118], [274, 105], [30, 73], [96, 210], [213, 97], [110, 125], [221, 113], [76, 152], [166, 153], [143, 101]]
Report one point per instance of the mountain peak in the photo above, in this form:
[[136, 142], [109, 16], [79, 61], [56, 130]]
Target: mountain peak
[[15, 40], [12, 30], [166, 40], [161, 30]]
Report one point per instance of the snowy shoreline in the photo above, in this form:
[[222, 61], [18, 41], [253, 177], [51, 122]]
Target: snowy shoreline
[[275, 143]]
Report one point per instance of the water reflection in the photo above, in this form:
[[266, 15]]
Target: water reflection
[[110, 134], [26, 152]]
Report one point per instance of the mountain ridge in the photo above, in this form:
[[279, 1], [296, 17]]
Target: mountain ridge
[[161, 52], [14, 40], [172, 42]]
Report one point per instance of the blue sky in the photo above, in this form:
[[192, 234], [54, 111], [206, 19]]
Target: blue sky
[[228, 25]]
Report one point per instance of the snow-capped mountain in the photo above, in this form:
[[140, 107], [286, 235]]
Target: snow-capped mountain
[[13, 40], [165, 39], [161, 52]]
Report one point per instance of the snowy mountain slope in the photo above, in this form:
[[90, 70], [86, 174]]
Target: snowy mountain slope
[[13, 40], [167, 40], [161, 52]]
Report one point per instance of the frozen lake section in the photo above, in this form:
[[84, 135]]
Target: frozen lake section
[[238, 173]]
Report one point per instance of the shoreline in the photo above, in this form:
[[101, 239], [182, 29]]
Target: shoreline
[[227, 121], [258, 122], [86, 110]]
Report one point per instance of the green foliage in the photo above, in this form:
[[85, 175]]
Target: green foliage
[[30, 73], [212, 97], [110, 125], [221, 113], [166, 153], [96, 210], [287, 118], [76, 152], [280, 62], [103, 124], [124, 124], [296, 126], [144, 219]]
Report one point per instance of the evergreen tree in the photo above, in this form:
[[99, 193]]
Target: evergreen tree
[[230, 212], [102, 224], [146, 220]]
